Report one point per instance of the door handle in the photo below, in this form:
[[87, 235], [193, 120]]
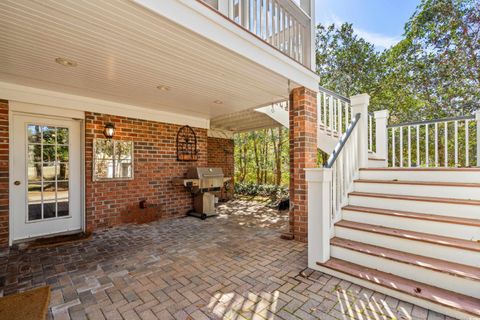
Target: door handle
[[17, 183]]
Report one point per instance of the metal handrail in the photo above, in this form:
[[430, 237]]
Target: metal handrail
[[431, 121], [343, 140], [334, 94]]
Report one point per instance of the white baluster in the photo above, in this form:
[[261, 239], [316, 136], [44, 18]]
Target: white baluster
[[340, 122], [426, 146], [370, 133], [446, 143], [393, 148], [477, 120], [456, 142], [401, 146], [467, 144], [436, 144], [409, 147], [330, 114], [418, 145]]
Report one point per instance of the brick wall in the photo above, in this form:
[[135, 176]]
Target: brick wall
[[155, 164], [303, 154], [4, 185], [220, 154]]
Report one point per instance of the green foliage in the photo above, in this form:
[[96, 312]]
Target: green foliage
[[273, 192], [433, 72], [262, 157]]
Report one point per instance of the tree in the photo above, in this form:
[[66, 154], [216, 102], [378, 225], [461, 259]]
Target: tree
[[346, 63], [435, 70]]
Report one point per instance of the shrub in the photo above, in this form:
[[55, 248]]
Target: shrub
[[263, 190]]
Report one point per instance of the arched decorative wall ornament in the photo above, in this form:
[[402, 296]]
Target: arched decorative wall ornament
[[187, 144]]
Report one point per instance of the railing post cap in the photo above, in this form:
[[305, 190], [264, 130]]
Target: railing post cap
[[318, 174], [363, 98], [381, 114]]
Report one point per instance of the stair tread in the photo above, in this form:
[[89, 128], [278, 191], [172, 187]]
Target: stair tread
[[433, 294], [416, 198], [422, 169], [421, 183], [455, 269], [412, 235], [415, 215]]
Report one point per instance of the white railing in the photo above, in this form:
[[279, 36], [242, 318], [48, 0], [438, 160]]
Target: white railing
[[449, 142], [344, 162], [328, 187], [281, 23], [371, 129], [334, 112]]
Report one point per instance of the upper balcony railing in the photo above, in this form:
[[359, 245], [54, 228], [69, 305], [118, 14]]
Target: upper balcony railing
[[284, 24]]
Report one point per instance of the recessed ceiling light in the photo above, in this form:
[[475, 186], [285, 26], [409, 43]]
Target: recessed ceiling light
[[218, 101], [163, 88], [66, 62]]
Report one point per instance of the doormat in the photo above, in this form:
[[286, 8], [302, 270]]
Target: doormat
[[58, 240], [32, 304]]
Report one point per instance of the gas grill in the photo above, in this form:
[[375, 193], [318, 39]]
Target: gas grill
[[201, 182]]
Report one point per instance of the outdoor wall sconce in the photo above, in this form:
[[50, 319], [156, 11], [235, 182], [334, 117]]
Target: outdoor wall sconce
[[109, 130]]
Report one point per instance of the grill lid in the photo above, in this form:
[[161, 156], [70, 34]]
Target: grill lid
[[204, 173]]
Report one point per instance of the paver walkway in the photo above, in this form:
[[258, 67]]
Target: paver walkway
[[234, 266]]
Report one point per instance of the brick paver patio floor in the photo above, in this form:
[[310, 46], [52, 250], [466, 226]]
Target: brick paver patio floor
[[234, 266]]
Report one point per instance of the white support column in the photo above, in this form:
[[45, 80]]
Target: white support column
[[319, 211], [477, 119], [381, 134], [360, 104]]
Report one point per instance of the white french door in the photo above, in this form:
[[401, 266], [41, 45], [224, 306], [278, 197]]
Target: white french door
[[45, 182]]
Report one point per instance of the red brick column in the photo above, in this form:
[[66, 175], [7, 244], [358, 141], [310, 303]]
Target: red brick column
[[4, 184], [303, 154], [220, 154]]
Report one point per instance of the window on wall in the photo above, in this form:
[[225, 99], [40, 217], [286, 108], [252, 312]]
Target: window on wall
[[113, 159]]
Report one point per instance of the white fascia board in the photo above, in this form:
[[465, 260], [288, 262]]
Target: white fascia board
[[14, 92], [204, 21]]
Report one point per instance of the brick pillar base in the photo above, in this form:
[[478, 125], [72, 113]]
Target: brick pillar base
[[303, 154]]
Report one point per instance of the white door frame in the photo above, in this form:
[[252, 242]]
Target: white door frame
[[15, 107]]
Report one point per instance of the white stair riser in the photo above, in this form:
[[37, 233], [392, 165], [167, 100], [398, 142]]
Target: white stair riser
[[420, 190], [447, 253], [377, 163], [438, 176], [439, 228], [434, 278], [445, 209]]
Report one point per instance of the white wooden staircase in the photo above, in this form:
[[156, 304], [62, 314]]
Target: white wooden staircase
[[411, 233], [414, 233]]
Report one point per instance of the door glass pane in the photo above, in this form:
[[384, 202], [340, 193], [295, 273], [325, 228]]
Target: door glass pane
[[49, 210], [34, 134], [62, 171], [34, 153], [62, 153], [62, 190], [48, 153], [34, 201], [35, 172], [48, 135], [62, 136], [48, 172]]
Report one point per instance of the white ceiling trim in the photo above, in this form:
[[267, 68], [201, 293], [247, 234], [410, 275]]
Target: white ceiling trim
[[14, 92]]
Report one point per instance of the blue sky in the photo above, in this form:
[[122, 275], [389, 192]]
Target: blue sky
[[377, 21]]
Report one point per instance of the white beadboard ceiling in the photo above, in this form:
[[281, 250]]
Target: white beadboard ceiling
[[123, 53]]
